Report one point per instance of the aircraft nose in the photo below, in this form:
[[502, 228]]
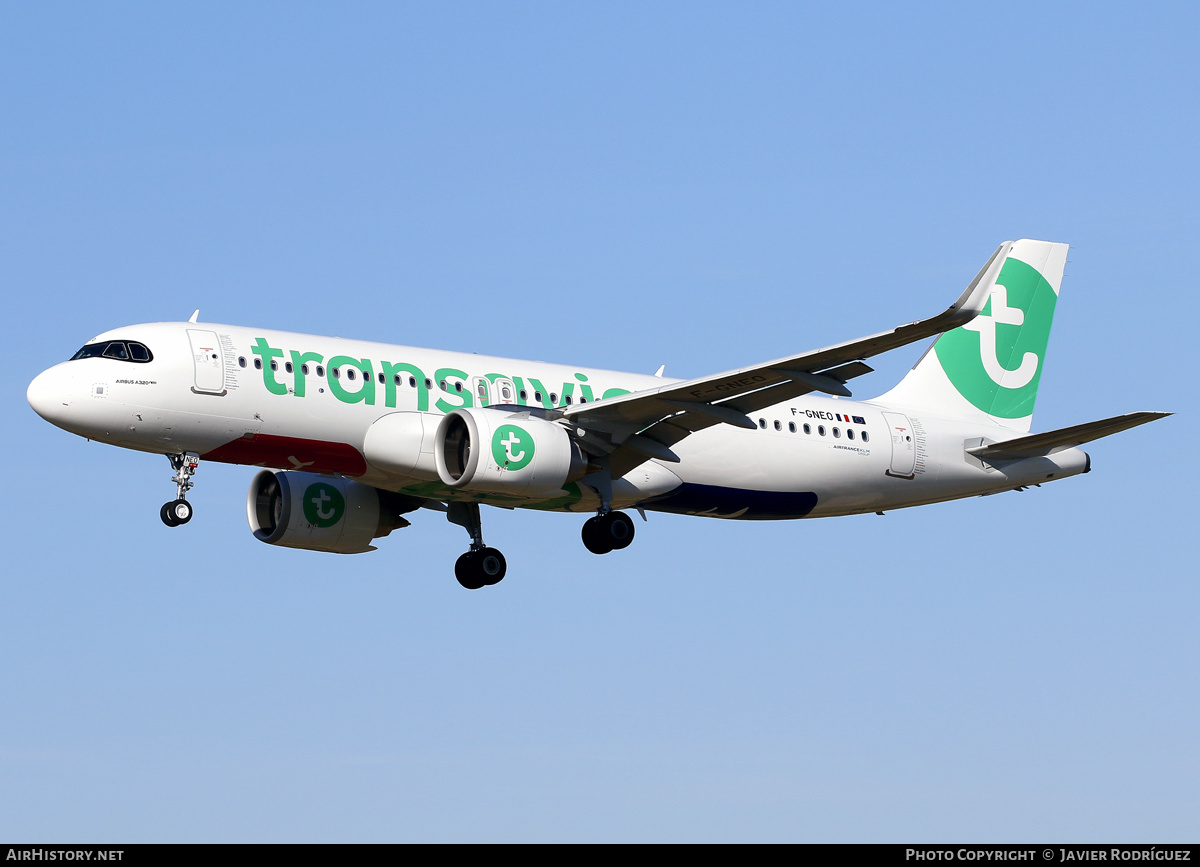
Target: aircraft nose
[[50, 395]]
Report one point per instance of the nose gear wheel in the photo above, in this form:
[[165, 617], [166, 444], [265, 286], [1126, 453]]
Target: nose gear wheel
[[176, 512]]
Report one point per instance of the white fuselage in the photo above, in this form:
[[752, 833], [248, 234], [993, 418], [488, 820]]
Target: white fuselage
[[269, 398]]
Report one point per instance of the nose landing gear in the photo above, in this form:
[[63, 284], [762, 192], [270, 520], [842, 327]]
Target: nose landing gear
[[481, 566], [179, 510]]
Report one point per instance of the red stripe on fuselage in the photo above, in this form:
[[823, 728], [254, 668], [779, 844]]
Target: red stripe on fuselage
[[291, 453]]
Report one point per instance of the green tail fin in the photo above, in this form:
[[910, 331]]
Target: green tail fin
[[991, 367]]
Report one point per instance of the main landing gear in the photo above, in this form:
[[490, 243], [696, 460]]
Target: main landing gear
[[179, 510], [608, 531], [481, 566]]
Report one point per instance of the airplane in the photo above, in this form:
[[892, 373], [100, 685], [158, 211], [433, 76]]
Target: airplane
[[353, 435]]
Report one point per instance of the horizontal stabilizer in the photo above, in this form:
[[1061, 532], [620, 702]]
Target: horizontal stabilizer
[[1037, 445]]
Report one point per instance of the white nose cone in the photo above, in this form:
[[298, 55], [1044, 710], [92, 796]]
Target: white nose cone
[[49, 395]]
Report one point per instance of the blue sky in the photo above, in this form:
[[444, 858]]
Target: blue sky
[[617, 185]]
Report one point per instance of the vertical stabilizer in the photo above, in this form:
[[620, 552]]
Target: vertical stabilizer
[[990, 368]]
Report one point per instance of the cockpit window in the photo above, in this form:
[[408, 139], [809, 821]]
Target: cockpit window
[[121, 350]]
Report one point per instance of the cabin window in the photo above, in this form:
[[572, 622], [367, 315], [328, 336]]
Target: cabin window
[[442, 385], [865, 438], [523, 394], [335, 372], [274, 364], [428, 383], [821, 429], [778, 426], [762, 423], [567, 398], [287, 366], [808, 429], [383, 379], [320, 370], [304, 369], [553, 398], [837, 433], [537, 396], [849, 434], [458, 387], [792, 426], [241, 361], [350, 373], [258, 364]]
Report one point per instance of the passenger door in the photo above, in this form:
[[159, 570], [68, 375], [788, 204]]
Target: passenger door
[[208, 362], [904, 445]]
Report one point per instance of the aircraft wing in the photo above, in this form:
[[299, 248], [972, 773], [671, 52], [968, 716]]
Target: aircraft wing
[[1037, 445], [633, 428]]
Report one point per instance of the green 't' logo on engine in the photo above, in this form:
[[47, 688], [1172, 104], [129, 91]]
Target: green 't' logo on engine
[[512, 447], [323, 505], [995, 360]]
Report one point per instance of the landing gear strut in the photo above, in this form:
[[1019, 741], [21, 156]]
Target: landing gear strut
[[179, 510], [481, 566]]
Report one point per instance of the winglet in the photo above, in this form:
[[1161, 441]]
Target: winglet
[[195, 315], [975, 296]]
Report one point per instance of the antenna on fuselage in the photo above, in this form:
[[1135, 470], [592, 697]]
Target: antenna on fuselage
[[195, 315]]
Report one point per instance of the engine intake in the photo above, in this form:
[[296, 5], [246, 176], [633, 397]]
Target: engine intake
[[322, 513], [495, 451]]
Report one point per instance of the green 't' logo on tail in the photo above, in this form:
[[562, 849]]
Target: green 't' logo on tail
[[995, 360]]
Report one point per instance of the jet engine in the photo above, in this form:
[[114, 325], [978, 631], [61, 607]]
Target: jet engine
[[322, 513], [495, 451]]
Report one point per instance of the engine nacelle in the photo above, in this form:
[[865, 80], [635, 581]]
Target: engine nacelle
[[401, 444], [502, 452], [321, 513]]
